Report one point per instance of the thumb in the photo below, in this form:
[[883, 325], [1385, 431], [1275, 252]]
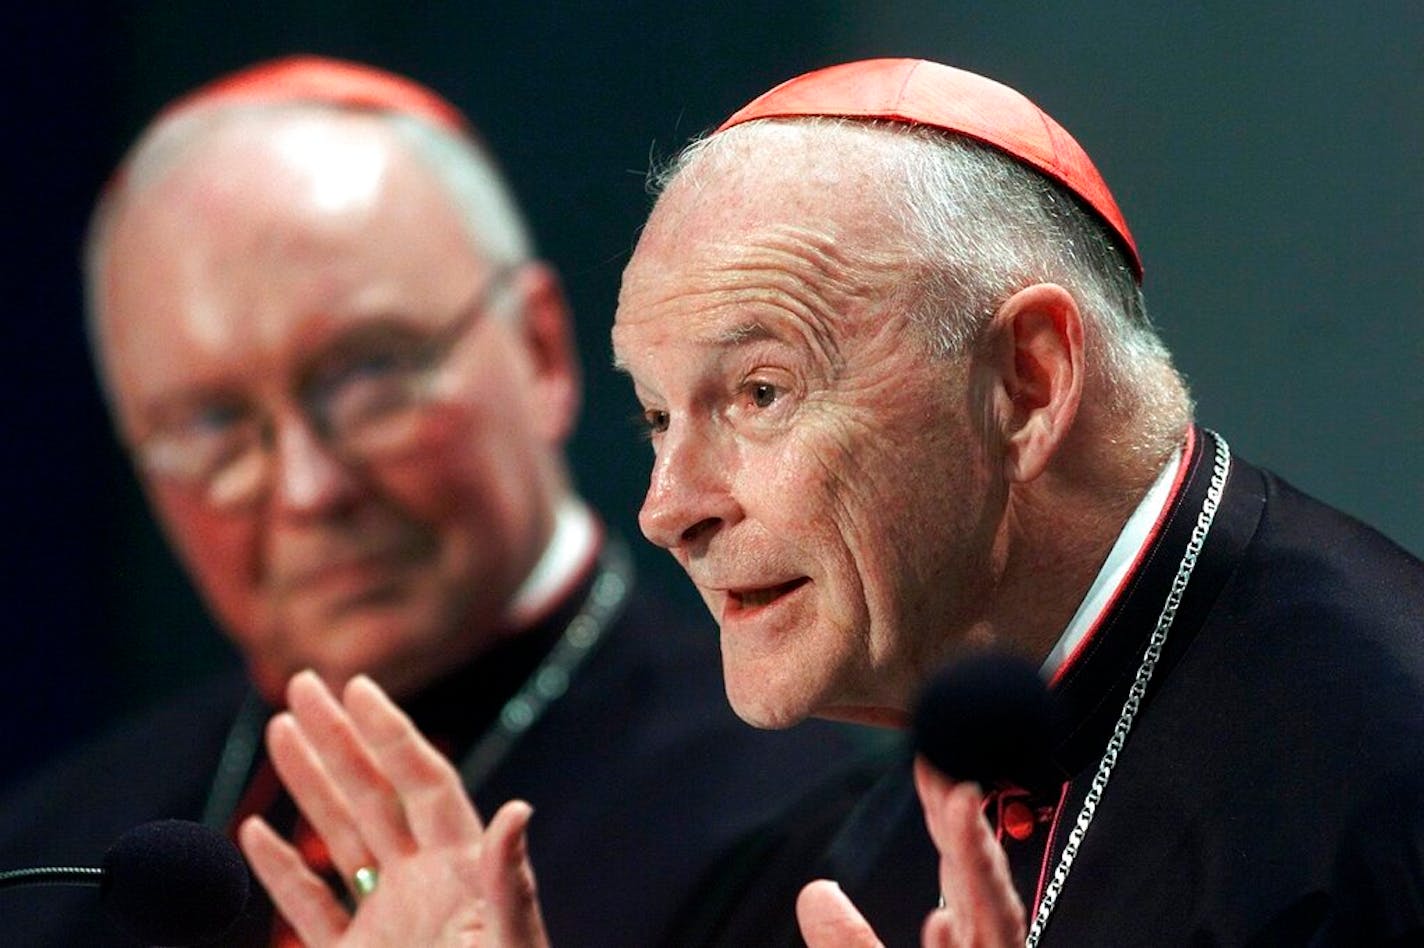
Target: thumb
[[507, 879], [828, 919]]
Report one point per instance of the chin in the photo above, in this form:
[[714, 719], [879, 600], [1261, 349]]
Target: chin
[[767, 718], [337, 653], [763, 704]]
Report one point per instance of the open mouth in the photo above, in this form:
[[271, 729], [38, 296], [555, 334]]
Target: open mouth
[[755, 598]]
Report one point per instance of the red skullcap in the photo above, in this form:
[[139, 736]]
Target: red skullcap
[[319, 80], [924, 93], [325, 81]]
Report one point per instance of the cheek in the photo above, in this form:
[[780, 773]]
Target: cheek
[[465, 459], [803, 501], [221, 555], [864, 499], [819, 491], [429, 490], [478, 501]]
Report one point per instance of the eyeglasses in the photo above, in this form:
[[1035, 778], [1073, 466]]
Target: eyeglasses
[[365, 399]]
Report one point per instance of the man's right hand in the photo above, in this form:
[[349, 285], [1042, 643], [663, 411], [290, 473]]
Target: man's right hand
[[981, 908], [381, 797]]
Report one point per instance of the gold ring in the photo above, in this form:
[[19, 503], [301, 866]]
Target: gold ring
[[363, 882]]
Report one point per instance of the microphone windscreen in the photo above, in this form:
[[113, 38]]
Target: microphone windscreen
[[172, 882], [987, 718]]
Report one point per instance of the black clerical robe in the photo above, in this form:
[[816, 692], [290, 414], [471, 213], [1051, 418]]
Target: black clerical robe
[[1250, 803]]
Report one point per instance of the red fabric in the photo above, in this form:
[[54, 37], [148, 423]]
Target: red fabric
[[1018, 820], [919, 92], [260, 798], [318, 858], [306, 78]]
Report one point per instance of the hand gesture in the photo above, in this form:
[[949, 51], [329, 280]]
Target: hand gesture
[[981, 908], [391, 808]]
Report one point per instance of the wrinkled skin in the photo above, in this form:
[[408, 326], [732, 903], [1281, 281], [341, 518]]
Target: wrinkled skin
[[815, 472]]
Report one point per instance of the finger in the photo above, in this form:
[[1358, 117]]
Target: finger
[[507, 879], [986, 891], [828, 918], [316, 796], [934, 789], [938, 931], [981, 905], [354, 772], [437, 808], [303, 899]]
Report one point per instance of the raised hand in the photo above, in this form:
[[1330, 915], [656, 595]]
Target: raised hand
[[828, 919], [981, 908], [383, 799]]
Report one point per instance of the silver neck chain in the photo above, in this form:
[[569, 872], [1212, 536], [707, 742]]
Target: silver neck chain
[[1220, 469], [547, 683], [603, 604]]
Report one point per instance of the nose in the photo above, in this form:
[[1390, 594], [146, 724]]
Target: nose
[[689, 493], [307, 478]]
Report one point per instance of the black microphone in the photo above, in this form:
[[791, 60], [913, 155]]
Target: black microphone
[[169, 882], [988, 717]]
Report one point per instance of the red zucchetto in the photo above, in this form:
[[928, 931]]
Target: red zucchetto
[[920, 92], [322, 80]]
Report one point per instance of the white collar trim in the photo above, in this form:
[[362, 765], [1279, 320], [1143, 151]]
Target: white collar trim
[[1130, 542], [571, 547]]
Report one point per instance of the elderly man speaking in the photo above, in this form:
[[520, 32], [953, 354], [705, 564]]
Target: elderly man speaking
[[904, 401]]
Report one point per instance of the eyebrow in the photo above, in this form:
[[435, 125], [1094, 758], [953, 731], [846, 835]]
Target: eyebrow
[[751, 331]]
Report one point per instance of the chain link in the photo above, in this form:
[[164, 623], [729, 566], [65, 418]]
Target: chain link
[[1220, 469]]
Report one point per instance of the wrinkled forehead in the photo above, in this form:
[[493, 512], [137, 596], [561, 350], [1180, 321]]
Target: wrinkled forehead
[[772, 206], [778, 233], [784, 171]]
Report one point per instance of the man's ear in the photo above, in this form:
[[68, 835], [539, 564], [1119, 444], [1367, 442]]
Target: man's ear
[[1034, 359], [547, 331]]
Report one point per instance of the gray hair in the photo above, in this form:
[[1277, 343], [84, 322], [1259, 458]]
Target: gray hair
[[977, 226]]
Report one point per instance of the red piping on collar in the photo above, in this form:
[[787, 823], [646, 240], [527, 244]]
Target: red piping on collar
[[1188, 455]]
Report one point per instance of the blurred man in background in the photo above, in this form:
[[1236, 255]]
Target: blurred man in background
[[346, 382]]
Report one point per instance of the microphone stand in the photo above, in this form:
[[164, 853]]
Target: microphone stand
[[51, 875]]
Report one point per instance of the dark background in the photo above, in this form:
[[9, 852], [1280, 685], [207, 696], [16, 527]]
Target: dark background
[[1267, 156]]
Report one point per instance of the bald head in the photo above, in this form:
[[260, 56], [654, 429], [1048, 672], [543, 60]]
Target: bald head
[[306, 137], [309, 197]]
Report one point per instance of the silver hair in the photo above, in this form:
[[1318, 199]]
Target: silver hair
[[976, 227], [460, 165]]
